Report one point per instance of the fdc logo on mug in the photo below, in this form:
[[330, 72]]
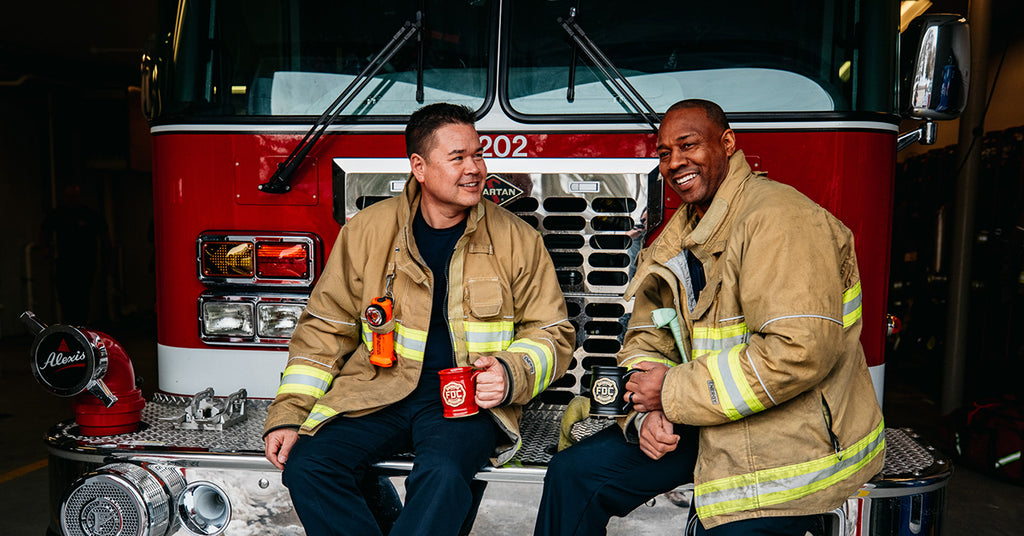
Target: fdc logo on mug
[[605, 391], [454, 394]]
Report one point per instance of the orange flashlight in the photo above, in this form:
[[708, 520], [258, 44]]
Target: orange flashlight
[[378, 314]]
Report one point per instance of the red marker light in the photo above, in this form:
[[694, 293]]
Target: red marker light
[[282, 260]]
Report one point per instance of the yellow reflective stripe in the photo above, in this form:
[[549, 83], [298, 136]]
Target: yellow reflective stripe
[[299, 389], [410, 343], [305, 380], [307, 370], [751, 404], [715, 369], [318, 414], [787, 483], [488, 337], [367, 336], [543, 360], [707, 338], [646, 359], [734, 392], [852, 307]]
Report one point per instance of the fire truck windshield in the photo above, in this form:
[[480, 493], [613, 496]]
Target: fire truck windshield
[[287, 60], [791, 56], [292, 58]]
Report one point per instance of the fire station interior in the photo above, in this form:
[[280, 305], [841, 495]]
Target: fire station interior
[[74, 140]]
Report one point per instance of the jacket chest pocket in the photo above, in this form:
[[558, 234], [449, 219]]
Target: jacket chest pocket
[[485, 297]]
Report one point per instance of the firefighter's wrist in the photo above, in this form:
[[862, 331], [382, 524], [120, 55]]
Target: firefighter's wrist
[[293, 427]]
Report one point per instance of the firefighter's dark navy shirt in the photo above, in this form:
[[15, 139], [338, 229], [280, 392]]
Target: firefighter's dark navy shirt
[[436, 247], [696, 274]]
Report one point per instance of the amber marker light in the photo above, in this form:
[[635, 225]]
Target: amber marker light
[[227, 259]]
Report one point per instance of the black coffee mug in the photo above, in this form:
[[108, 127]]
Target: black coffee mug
[[607, 387]]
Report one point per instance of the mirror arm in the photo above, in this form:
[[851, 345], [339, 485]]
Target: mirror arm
[[925, 134]]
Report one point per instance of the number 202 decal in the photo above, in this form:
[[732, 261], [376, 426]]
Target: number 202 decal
[[503, 146]]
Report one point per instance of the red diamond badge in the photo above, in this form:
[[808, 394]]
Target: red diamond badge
[[500, 190]]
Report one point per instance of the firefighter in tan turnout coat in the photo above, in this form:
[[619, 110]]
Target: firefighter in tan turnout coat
[[746, 323], [472, 285]]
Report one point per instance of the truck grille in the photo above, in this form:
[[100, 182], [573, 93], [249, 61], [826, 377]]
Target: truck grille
[[592, 214]]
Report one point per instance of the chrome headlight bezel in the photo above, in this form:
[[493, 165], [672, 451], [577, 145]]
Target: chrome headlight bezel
[[263, 319]]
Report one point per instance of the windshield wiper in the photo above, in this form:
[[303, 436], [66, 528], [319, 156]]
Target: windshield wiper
[[570, 91], [280, 181], [608, 69]]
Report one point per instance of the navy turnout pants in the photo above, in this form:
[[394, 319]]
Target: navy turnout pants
[[603, 476], [324, 471]]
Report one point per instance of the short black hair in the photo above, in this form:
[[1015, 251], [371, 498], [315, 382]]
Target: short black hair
[[713, 111], [425, 121]]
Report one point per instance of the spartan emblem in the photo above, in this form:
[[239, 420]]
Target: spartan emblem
[[605, 391], [500, 190]]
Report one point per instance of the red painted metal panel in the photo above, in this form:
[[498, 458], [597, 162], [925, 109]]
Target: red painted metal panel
[[209, 182]]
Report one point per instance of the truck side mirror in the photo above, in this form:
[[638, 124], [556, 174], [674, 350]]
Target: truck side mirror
[[150, 84], [935, 67]]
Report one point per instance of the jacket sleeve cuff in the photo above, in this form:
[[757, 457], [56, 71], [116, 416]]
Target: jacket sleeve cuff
[[632, 429], [507, 399]]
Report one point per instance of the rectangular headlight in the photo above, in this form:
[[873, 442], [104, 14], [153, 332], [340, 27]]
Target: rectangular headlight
[[228, 319], [277, 320]]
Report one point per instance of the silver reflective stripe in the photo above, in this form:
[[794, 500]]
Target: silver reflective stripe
[[325, 319], [707, 344], [408, 345], [541, 356], [367, 335], [852, 305], [758, 374], [304, 379], [761, 491], [829, 318], [488, 337], [730, 384], [318, 415]]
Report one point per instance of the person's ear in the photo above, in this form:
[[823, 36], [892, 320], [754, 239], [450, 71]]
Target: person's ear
[[418, 166], [729, 141]]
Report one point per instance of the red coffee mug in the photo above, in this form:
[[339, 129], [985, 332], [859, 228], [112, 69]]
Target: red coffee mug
[[458, 391]]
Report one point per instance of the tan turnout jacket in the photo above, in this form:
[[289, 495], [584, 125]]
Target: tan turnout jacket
[[503, 300], [768, 361]]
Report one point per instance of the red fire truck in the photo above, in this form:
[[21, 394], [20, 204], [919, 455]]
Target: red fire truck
[[274, 122]]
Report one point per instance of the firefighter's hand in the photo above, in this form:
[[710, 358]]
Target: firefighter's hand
[[656, 436], [644, 388], [491, 383], [278, 445]]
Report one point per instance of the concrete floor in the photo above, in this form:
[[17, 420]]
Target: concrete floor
[[977, 505]]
